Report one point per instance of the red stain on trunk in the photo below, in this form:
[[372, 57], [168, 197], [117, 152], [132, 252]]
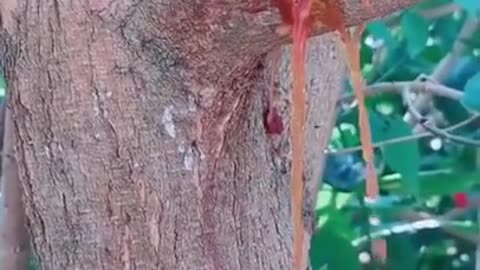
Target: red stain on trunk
[[296, 13], [285, 8]]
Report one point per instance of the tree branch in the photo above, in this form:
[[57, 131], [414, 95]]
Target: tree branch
[[236, 34], [417, 117], [445, 65], [404, 138], [432, 13], [355, 13], [418, 86]]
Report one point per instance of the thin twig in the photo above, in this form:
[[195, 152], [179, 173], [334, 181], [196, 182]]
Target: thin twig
[[418, 86], [450, 215], [447, 63], [404, 138], [445, 66], [430, 14], [431, 128], [440, 11]]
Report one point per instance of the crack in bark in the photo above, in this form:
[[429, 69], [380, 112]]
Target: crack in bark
[[175, 241], [211, 139], [126, 243]]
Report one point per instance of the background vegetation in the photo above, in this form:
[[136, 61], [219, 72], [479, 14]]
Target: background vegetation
[[422, 62]]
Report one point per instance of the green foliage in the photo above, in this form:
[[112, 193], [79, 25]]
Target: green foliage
[[333, 228], [471, 6], [417, 173], [415, 30], [401, 252], [403, 158], [471, 99], [380, 30], [340, 253]]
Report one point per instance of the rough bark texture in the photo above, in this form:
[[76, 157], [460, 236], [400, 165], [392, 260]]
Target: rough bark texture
[[140, 137]]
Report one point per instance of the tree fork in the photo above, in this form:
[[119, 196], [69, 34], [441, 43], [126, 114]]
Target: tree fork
[[125, 117]]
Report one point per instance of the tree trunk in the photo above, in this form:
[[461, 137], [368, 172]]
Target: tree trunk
[[140, 137]]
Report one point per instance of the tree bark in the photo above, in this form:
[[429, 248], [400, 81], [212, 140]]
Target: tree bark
[[140, 138]]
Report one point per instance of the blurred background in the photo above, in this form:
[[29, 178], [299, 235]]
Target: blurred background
[[422, 68]]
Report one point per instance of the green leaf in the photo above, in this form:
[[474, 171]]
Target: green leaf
[[448, 183], [380, 30], [349, 135], [329, 202], [438, 183], [331, 246], [403, 157], [471, 98], [389, 207], [452, 110], [415, 30], [401, 253], [429, 4], [329, 198], [471, 6], [366, 54], [392, 99], [445, 31]]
